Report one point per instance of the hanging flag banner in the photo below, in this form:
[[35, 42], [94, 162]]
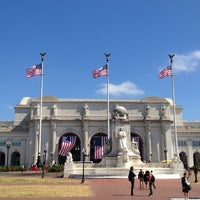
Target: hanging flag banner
[[67, 144], [99, 142]]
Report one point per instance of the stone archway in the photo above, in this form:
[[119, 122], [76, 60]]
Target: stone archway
[[138, 139], [75, 151], [2, 159], [183, 158], [196, 158], [15, 159]]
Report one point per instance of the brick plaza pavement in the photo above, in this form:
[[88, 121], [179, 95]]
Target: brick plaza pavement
[[119, 189], [109, 189]]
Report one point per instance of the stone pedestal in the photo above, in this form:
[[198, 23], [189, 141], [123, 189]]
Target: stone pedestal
[[123, 152], [177, 167], [68, 169]]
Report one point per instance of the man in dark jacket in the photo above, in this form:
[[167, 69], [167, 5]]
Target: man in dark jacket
[[131, 178]]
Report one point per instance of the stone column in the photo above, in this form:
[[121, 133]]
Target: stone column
[[53, 144], [36, 128], [85, 144], [164, 142], [149, 143], [190, 153]]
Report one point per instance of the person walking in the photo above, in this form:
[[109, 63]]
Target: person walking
[[154, 186], [141, 179], [131, 178], [146, 179], [185, 186], [151, 183]]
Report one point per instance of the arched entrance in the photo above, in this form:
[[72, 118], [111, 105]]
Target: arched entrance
[[97, 147], [196, 158], [75, 149], [183, 158], [2, 159], [15, 159], [138, 139]]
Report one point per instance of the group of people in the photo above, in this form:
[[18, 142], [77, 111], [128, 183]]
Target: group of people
[[145, 179], [148, 179]]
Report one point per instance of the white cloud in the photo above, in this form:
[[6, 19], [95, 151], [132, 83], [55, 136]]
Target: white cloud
[[124, 89], [186, 62], [10, 107]]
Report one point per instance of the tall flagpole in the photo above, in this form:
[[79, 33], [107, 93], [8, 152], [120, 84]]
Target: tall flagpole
[[174, 110], [41, 95], [108, 98]]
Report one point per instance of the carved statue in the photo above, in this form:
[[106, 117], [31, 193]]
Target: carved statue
[[85, 110], [121, 140], [146, 111], [120, 113], [53, 110], [134, 147], [69, 158], [36, 110], [162, 111]]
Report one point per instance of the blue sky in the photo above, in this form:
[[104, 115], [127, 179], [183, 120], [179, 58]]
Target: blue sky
[[75, 34]]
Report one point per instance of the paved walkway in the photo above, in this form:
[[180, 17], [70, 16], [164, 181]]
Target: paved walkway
[[119, 189], [109, 189]]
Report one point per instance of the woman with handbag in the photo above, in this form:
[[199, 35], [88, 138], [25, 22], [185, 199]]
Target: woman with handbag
[[185, 186]]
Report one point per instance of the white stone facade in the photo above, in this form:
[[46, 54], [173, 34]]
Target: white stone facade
[[150, 119]]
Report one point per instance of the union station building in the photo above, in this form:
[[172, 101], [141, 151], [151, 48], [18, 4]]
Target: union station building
[[151, 122]]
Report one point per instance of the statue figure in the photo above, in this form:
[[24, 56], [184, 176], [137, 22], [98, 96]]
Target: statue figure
[[120, 113], [85, 109], [36, 110], [162, 111], [146, 111], [121, 140], [134, 147], [69, 158], [53, 110]]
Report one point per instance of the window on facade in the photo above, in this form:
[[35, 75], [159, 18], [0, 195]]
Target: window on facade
[[2, 143], [195, 143], [181, 143], [16, 143]]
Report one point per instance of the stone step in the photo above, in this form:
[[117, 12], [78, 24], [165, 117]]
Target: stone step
[[119, 172]]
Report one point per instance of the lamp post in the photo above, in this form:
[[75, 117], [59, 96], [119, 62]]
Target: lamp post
[[165, 153], [195, 167], [8, 147], [44, 162], [83, 174], [51, 158], [151, 154]]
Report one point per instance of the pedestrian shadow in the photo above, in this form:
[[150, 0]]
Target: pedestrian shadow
[[123, 195], [191, 198]]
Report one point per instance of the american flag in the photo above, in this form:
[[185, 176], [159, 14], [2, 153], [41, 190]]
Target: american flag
[[67, 145], [99, 142], [102, 71], [167, 71], [34, 71]]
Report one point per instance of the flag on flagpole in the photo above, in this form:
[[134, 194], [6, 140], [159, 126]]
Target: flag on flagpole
[[67, 145], [34, 71], [102, 71], [167, 71], [99, 143]]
